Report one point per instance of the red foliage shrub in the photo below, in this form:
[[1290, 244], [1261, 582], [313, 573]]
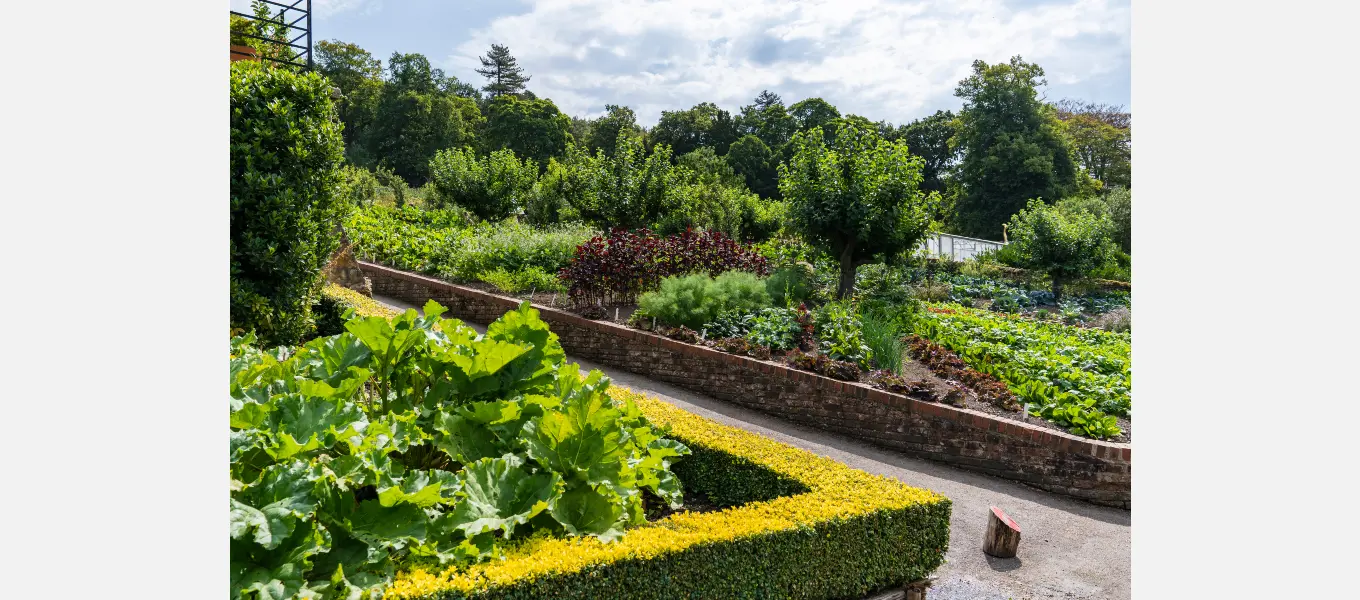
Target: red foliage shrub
[[618, 268]]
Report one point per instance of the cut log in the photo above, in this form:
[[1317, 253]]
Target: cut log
[[1003, 535]]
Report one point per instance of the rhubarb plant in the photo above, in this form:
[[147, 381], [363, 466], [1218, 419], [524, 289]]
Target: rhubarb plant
[[419, 440]]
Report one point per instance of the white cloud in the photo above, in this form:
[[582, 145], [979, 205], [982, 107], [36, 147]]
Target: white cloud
[[880, 59]]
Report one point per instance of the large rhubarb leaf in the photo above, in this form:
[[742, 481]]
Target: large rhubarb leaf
[[499, 493], [584, 510]]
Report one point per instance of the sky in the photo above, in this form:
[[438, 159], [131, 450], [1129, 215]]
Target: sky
[[884, 60]]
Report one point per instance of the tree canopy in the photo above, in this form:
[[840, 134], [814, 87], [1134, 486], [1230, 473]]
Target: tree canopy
[[686, 130], [857, 198], [1012, 145], [603, 133], [533, 129], [1100, 136], [767, 119], [1065, 245], [756, 163]]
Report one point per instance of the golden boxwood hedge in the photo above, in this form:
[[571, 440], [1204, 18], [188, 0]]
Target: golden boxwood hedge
[[335, 300], [798, 526]]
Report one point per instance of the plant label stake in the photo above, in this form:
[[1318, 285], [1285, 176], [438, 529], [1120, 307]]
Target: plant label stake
[[616, 314], [1003, 535]]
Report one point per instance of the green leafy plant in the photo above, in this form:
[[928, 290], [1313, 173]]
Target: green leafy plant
[[697, 299], [286, 155], [840, 335], [731, 324], [1043, 362], [527, 279], [789, 286], [775, 328], [358, 186], [332, 443]]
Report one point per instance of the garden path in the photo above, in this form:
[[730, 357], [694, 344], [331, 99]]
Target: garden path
[[1069, 549]]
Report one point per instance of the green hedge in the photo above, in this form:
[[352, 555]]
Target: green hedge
[[286, 154]]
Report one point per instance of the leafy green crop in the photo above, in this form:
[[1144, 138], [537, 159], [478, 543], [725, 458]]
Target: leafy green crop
[[442, 244], [419, 440], [841, 336], [1073, 376], [776, 328]]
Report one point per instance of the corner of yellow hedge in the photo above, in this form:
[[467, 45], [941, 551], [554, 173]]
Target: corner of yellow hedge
[[837, 492]]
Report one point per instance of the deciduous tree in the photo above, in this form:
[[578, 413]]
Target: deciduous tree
[[857, 198], [686, 130], [604, 132], [1012, 146], [756, 163], [813, 112], [1100, 136], [491, 187], [533, 129], [1066, 246]]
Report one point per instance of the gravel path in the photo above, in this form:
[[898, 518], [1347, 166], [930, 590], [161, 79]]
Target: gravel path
[[1068, 549]]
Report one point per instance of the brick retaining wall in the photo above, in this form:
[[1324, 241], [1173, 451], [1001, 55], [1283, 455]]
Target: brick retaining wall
[[1059, 462]]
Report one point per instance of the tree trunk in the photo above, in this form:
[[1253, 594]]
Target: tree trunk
[[1057, 289], [847, 283], [1003, 535]]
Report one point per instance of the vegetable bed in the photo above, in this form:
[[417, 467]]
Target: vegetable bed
[[1077, 377]]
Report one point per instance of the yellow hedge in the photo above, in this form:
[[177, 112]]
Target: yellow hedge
[[843, 532], [363, 305]]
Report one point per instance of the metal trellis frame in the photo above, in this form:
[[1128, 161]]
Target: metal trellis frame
[[288, 17]]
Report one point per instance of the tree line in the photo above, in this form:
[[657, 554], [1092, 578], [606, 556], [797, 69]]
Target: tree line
[[1005, 147]]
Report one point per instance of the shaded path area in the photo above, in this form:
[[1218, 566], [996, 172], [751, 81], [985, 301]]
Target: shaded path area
[[1068, 548]]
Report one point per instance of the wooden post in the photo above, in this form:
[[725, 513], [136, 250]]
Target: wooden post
[[1003, 535]]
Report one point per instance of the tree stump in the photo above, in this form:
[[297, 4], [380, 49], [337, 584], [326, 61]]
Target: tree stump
[[1003, 535]]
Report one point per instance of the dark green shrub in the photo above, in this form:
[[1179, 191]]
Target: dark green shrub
[[697, 299], [286, 155]]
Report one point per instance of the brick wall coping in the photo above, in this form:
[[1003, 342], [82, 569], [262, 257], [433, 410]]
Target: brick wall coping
[[1057, 440]]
